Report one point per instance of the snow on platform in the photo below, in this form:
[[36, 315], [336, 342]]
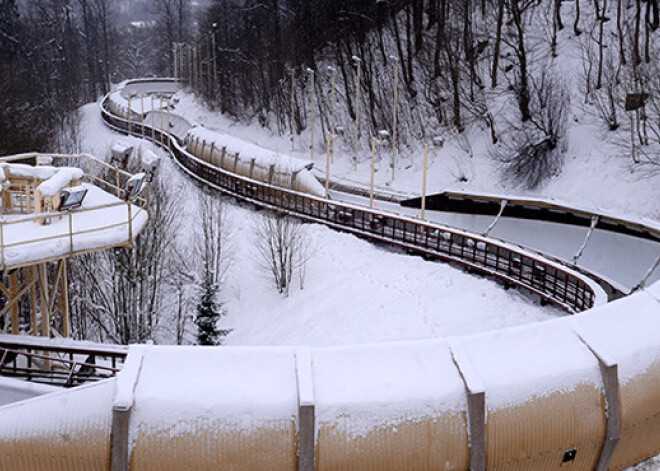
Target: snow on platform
[[101, 222]]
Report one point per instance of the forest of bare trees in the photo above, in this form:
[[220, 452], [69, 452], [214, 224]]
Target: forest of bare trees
[[457, 61]]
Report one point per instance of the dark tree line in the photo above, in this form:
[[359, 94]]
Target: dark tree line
[[56, 55]]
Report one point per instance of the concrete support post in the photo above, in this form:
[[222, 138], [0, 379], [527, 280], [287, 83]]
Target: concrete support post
[[306, 412], [610, 374], [476, 401], [119, 452], [122, 406]]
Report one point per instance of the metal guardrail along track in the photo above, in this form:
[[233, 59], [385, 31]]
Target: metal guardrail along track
[[570, 290]]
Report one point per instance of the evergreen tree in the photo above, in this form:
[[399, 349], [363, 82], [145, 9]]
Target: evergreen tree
[[208, 314]]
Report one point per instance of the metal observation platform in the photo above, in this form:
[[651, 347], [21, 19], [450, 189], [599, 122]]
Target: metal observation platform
[[55, 207]]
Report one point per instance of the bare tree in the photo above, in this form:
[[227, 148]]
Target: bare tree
[[531, 153], [283, 249]]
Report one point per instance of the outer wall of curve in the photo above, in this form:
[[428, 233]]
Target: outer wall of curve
[[579, 392]]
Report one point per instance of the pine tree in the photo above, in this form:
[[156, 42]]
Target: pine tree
[[208, 314]]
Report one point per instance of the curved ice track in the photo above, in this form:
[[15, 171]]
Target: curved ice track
[[579, 391]]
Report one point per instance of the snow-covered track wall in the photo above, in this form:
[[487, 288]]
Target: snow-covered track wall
[[580, 391]]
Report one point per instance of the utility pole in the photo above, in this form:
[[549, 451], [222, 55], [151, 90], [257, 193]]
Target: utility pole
[[311, 147], [358, 63], [395, 64]]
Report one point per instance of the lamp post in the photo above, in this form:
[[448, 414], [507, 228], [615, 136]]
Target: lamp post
[[142, 113], [162, 118], [215, 61], [438, 143], [190, 68], [330, 151], [358, 64], [382, 139], [130, 123], [332, 115], [293, 109], [176, 76], [153, 125], [395, 64], [311, 99]]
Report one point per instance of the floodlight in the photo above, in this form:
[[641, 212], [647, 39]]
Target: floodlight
[[356, 59], [384, 135], [134, 186], [150, 163], [72, 198], [438, 142], [339, 131], [330, 68], [394, 58]]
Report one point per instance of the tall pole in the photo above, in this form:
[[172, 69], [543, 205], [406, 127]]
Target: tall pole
[[394, 124], [332, 121], [190, 68], [293, 109], [176, 79], [357, 112], [195, 68], [373, 160], [169, 126], [153, 125], [329, 143], [162, 119], [142, 113], [426, 154], [311, 147], [215, 63], [130, 124]]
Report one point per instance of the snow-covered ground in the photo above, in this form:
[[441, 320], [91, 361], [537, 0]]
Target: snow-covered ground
[[355, 291]]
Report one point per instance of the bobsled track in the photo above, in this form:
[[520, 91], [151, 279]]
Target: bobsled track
[[581, 392]]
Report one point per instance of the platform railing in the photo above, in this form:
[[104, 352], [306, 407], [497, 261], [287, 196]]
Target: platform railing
[[67, 365], [97, 173], [566, 288]]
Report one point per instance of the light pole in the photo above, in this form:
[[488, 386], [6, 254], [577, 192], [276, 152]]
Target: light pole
[[358, 64], [130, 123], [142, 112], [438, 143], [330, 151], [293, 109], [190, 68], [382, 139], [176, 79], [311, 99], [153, 125], [395, 64], [332, 116], [162, 118], [215, 61]]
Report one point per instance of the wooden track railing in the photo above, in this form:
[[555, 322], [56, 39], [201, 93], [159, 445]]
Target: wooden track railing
[[567, 288]]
